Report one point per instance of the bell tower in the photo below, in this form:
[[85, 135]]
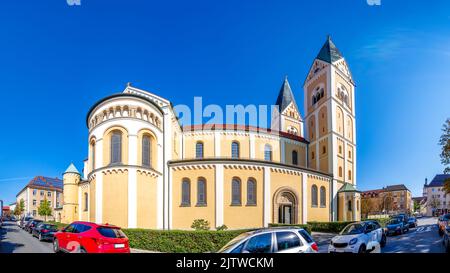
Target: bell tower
[[71, 179], [329, 92]]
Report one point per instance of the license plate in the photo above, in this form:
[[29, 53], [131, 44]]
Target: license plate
[[119, 245]]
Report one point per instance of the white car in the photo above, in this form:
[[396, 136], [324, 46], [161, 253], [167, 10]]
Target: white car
[[359, 237], [272, 240]]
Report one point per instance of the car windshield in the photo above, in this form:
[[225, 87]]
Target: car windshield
[[233, 242], [353, 229], [394, 221], [111, 232]]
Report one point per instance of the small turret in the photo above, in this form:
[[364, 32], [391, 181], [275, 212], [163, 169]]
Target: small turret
[[71, 178]]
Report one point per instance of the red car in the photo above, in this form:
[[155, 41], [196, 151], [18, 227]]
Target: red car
[[86, 237]]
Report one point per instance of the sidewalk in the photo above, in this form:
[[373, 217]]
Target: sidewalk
[[135, 250]]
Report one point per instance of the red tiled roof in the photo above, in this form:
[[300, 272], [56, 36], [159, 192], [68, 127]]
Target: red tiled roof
[[247, 128]]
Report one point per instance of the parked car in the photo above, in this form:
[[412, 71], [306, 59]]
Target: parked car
[[86, 237], [31, 225], [272, 240], [443, 223], [25, 221], [358, 237], [396, 226], [446, 240], [44, 231], [412, 222]]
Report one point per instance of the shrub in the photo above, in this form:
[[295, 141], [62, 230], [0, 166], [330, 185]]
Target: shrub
[[332, 227], [305, 227], [200, 224], [178, 241], [222, 227]]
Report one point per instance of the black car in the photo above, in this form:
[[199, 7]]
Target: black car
[[24, 221], [44, 231], [31, 225], [412, 222], [446, 240]]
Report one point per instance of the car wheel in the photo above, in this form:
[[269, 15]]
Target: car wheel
[[82, 250], [56, 246], [362, 249], [383, 240]]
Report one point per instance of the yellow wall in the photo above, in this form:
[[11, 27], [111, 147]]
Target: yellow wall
[[301, 151], [260, 143], [321, 214], [208, 145], [323, 121], [290, 182], [323, 155], [115, 198], [82, 206], [225, 146], [183, 217], [146, 203], [238, 217]]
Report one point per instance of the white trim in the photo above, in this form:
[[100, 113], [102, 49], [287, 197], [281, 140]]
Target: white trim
[[99, 198], [252, 146], [267, 204], [219, 195], [217, 144], [304, 198], [160, 189], [283, 151], [132, 180], [28, 201], [79, 204], [334, 200]]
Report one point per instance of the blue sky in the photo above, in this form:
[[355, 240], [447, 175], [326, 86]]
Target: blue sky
[[57, 60]]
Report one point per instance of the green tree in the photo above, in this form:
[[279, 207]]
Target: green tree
[[444, 142], [44, 209], [20, 208], [366, 207], [200, 224], [416, 205]]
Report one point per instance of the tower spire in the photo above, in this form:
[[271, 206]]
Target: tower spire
[[329, 52], [285, 96]]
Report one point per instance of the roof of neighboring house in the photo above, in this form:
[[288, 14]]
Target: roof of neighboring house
[[419, 199], [247, 128], [400, 187], [5, 208], [371, 192], [285, 97], [45, 183], [438, 180]]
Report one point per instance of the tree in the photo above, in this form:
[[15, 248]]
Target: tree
[[387, 202], [44, 209], [200, 224], [20, 208], [444, 142], [366, 207], [416, 205]]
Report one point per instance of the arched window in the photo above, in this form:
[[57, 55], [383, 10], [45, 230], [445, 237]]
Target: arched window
[[236, 192], [201, 192], [314, 196], [349, 205], [324, 150], [186, 192], [251, 192], [86, 201], [349, 175], [268, 152], [116, 147], [146, 151], [199, 150], [340, 171], [323, 197], [294, 158], [92, 155], [235, 149], [340, 149]]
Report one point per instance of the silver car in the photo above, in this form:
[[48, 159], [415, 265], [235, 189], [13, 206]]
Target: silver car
[[272, 240]]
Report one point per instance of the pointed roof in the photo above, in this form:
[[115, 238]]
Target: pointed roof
[[329, 52], [72, 169], [285, 97], [348, 188]]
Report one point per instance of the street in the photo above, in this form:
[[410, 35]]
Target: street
[[423, 239]]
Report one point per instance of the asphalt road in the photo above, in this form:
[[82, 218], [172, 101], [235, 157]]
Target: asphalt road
[[15, 240], [423, 239]]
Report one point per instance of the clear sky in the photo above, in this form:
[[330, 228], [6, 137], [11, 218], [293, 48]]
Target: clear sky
[[57, 60]]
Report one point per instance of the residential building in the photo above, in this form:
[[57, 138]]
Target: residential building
[[39, 189], [146, 170], [437, 201], [389, 200]]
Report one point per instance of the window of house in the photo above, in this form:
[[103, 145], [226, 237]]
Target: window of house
[[323, 197], [92, 155], [49, 194], [116, 147], [41, 193], [268, 152], [235, 149], [199, 150], [186, 192], [349, 175], [349, 205], [236, 192], [34, 192], [340, 149], [34, 202], [34, 213], [146, 151], [294, 158], [201, 192], [312, 155], [314, 197], [340, 171], [251, 192], [349, 154], [86, 201]]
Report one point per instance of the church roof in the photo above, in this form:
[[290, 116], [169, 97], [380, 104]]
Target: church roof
[[285, 97], [329, 52], [348, 188], [72, 169]]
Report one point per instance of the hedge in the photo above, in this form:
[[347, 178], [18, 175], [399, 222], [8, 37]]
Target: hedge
[[332, 227], [180, 241], [305, 227]]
